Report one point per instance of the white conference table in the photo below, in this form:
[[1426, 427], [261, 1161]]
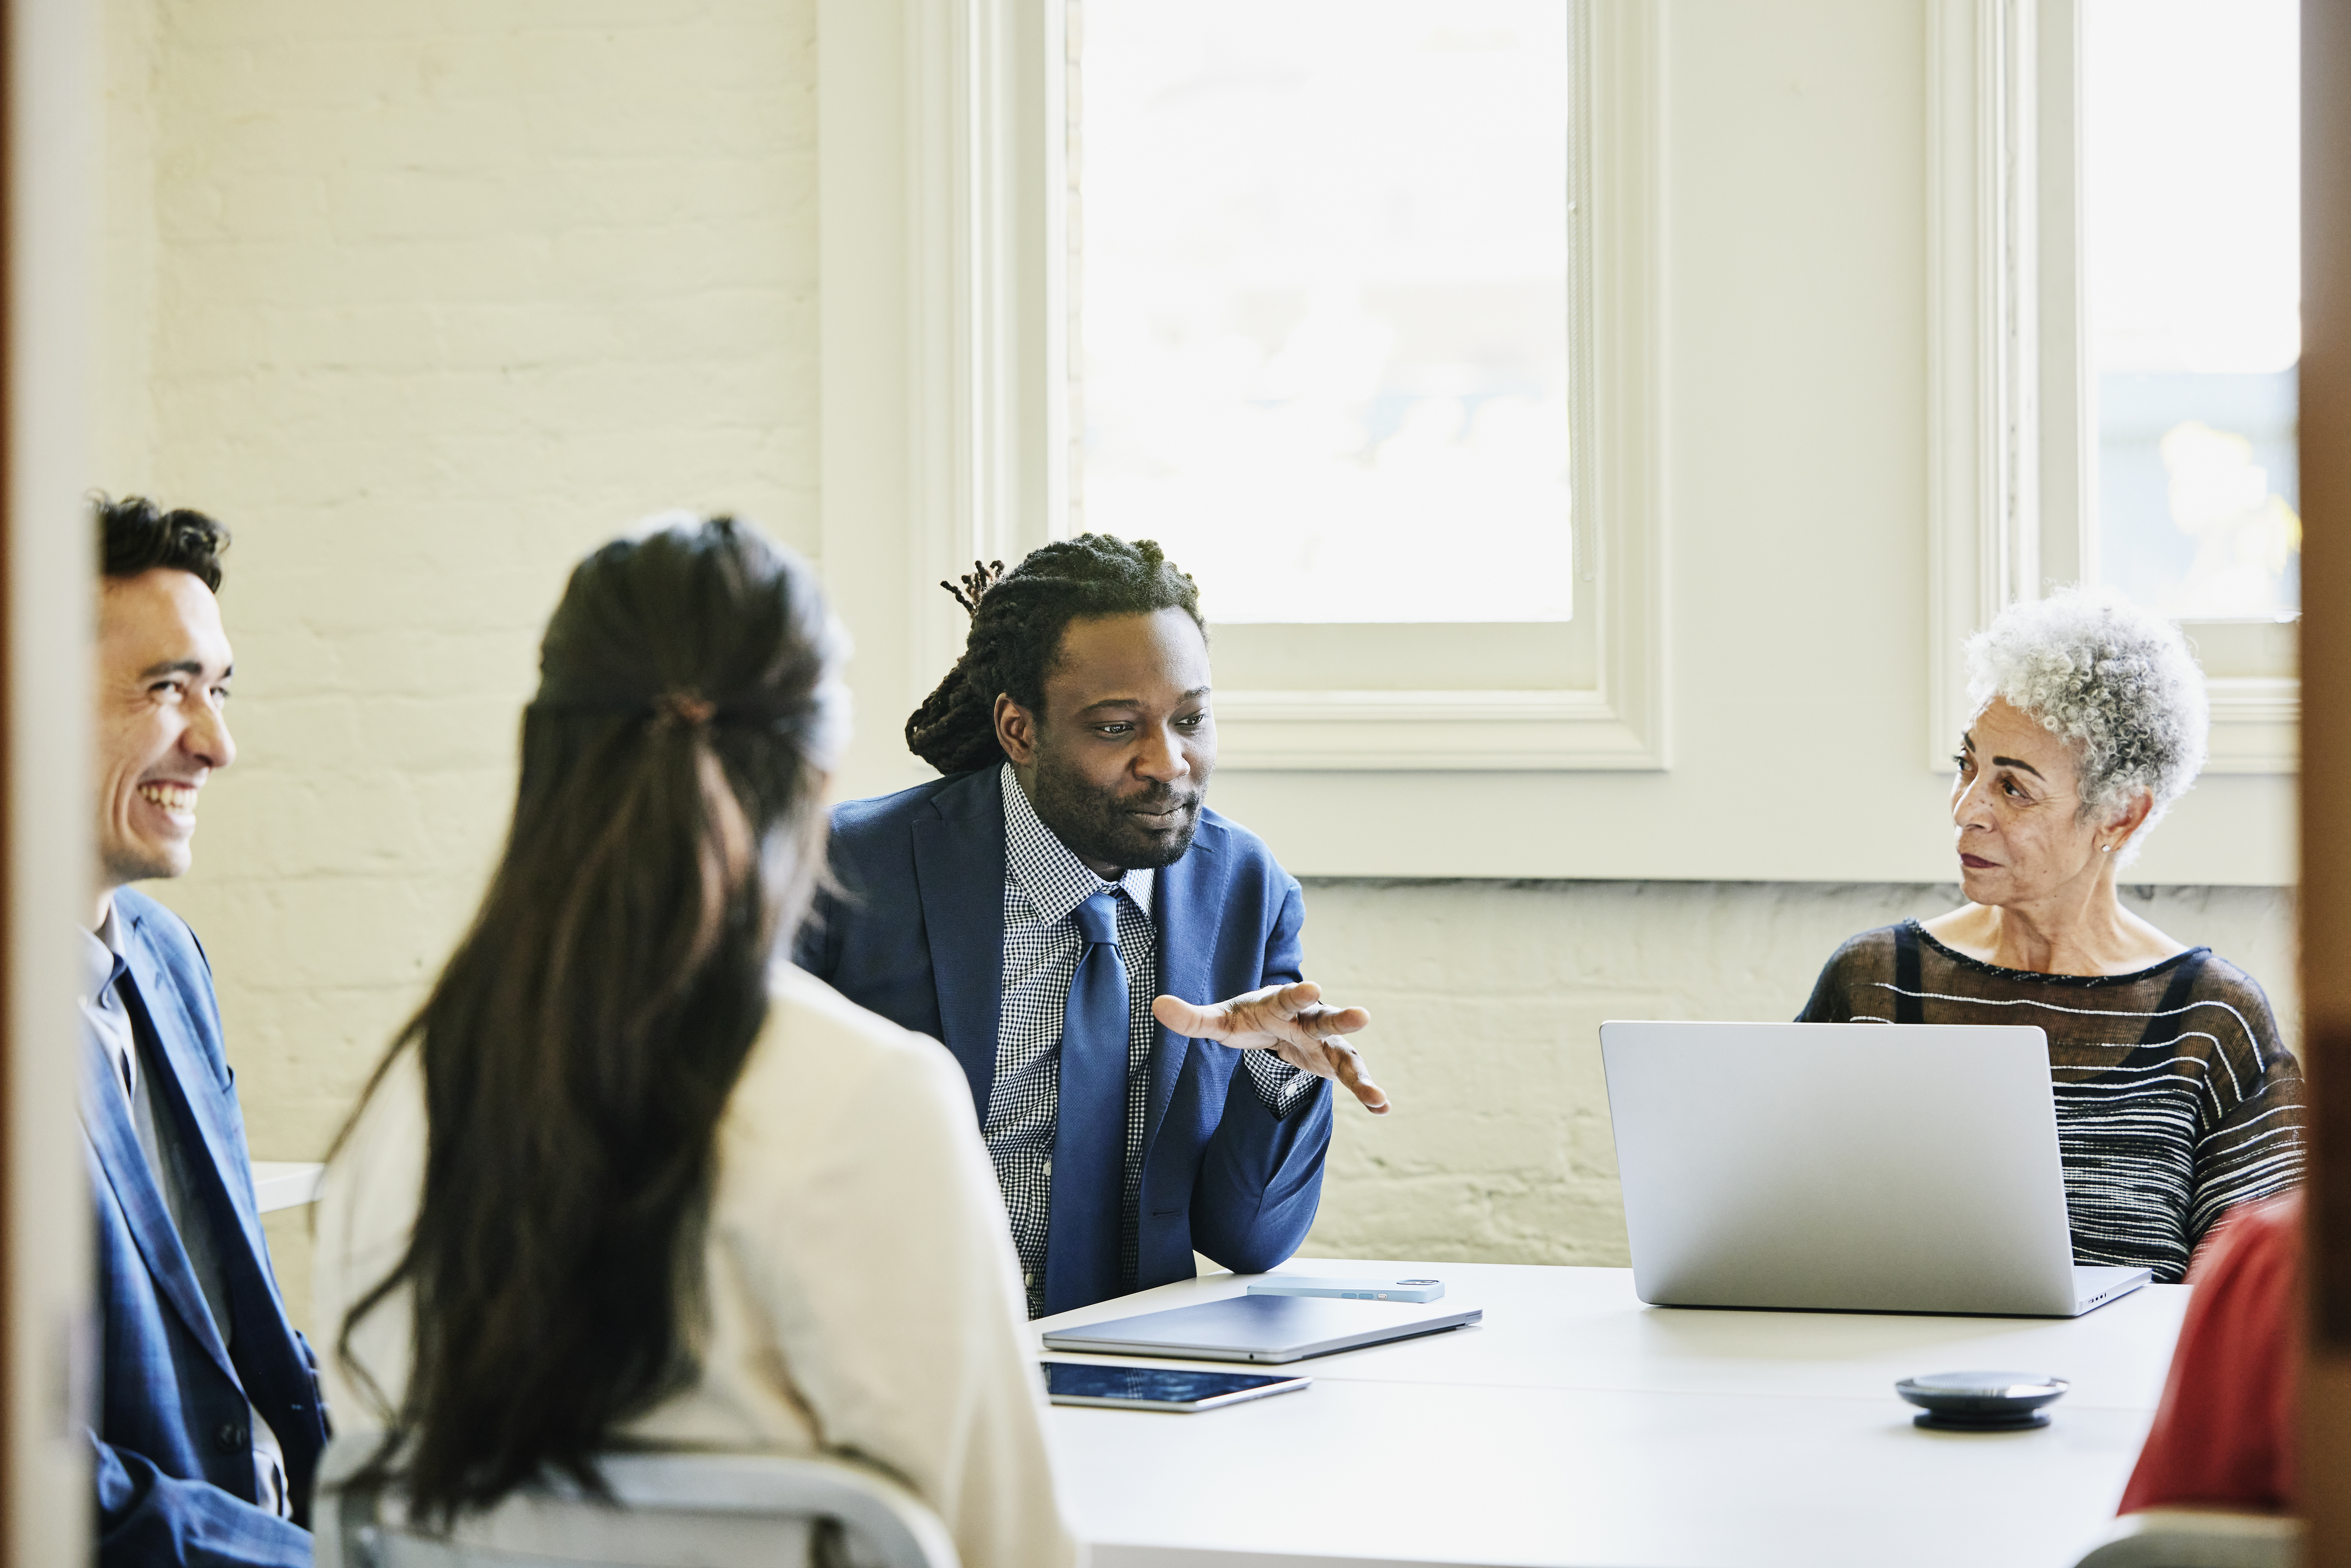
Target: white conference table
[[1576, 1425], [284, 1183]]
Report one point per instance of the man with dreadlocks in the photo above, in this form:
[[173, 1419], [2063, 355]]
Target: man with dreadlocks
[[1028, 907]]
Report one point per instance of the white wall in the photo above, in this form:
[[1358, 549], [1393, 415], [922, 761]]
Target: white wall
[[1789, 281], [1487, 999], [424, 300]]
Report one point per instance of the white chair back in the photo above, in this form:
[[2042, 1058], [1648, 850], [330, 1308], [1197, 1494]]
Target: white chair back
[[675, 1510], [2197, 1538]]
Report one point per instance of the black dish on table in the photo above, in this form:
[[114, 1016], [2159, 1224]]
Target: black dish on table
[[1982, 1401]]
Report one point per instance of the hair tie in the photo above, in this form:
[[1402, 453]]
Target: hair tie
[[685, 708]]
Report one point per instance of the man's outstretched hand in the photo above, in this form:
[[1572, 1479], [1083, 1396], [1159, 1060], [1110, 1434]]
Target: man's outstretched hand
[[1289, 1021]]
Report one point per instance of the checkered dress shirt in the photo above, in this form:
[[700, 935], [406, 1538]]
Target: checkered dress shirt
[[1043, 883]]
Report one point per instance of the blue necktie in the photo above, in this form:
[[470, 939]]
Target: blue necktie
[[1090, 1120]]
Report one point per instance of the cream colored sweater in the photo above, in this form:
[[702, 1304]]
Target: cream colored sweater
[[861, 1287]]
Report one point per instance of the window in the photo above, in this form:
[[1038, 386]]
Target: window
[[975, 401], [2190, 215], [954, 168], [1332, 270], [1321, 278], [2115, 309]]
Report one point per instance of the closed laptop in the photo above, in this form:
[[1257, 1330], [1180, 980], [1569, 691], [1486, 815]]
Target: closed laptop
[[1265, 1329]]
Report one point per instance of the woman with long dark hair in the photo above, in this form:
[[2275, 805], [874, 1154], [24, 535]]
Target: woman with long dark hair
[[628, 1179]]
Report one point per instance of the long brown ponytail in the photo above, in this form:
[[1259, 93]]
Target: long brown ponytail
[[582, 1043]]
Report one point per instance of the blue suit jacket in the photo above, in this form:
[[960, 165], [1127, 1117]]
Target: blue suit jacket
[[918, 935], [174, 1460]]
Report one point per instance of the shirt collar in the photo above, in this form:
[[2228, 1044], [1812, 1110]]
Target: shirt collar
[[1055, 879], [101, 957]]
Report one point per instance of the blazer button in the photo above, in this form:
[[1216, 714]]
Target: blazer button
[[232, 1439]]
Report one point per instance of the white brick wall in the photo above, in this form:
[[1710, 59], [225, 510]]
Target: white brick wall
[[1487, 999], [424, 300]]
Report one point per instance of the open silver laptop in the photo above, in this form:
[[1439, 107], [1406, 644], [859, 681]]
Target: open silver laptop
[[1265, 1329], [1854, 1167]]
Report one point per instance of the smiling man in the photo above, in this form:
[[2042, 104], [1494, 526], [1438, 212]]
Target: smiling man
[[1062, 910], [209, 1425]]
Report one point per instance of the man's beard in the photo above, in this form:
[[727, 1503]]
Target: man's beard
[[1099, 825]]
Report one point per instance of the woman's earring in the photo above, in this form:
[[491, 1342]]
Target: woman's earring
[[2106, 849]]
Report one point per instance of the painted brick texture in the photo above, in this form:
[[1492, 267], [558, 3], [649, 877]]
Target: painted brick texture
[[1487, 999], [441, 296]]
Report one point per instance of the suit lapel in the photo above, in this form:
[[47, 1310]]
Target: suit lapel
[[106, 1121], [1189, 910], [222, 1147], [959, 872]]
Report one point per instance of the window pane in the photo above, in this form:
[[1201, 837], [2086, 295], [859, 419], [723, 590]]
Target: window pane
[[2191, 215], [1321, 274]]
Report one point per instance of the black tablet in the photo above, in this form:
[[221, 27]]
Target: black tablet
[[1158, 1388]]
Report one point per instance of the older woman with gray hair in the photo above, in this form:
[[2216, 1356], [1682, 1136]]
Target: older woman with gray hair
[[2176, 1099]]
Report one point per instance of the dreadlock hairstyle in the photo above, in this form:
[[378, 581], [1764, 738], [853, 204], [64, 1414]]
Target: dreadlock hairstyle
[[1017, 621], [586, 1035]]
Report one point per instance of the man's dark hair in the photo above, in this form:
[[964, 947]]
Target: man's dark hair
[[134, 535], [1017, 621]]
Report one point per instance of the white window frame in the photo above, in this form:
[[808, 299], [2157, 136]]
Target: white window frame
[[2010, 455], [956, 388]]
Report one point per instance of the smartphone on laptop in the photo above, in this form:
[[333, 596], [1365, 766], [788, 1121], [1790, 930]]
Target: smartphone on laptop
[[1846, 1167]]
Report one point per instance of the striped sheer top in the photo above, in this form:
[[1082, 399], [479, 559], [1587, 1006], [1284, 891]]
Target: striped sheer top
[[2175, 1098]]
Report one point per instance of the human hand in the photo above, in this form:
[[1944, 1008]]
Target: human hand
[[1289, 1021]]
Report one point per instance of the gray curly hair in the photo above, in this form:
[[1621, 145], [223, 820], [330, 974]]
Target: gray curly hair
[[2116, 682]]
